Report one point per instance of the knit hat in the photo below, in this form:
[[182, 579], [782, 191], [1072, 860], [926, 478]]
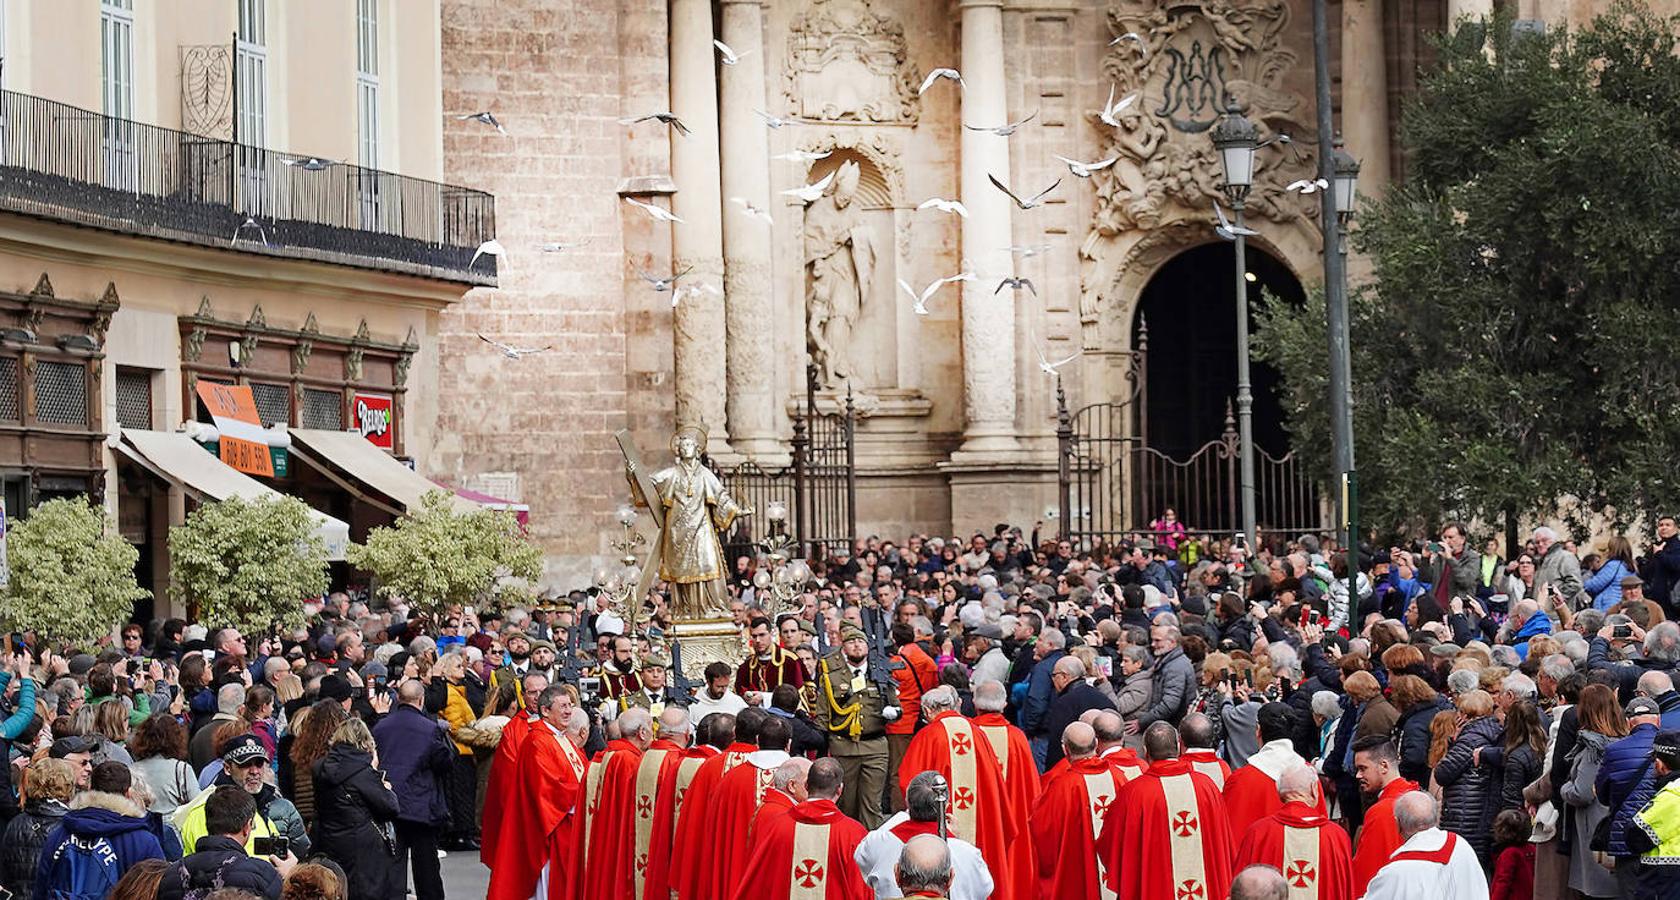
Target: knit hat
[[334, 687]]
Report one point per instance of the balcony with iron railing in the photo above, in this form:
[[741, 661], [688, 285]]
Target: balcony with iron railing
[[71, 165]]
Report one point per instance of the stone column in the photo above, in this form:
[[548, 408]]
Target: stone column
[[988, 320], [1365, 93], [744, 140], [1474, 9], [697, 243]]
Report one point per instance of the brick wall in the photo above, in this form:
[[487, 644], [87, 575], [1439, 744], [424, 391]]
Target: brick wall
[[558, 74]]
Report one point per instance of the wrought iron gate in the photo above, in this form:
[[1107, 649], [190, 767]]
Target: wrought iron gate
[[819, 487], [1112, 483]]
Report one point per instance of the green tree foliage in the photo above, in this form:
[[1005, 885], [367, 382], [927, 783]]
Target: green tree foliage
[[1518, 343], [435, 556], [72, 575], [248, 564]]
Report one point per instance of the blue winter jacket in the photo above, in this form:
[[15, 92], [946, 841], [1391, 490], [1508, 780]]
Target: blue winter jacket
[[97, 814], [1533, 626], [1605, 585], [1626, 782]]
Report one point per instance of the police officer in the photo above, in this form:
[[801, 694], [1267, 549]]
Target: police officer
[[855, 701]]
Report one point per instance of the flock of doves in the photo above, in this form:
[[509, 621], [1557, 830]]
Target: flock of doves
[[809, 193]]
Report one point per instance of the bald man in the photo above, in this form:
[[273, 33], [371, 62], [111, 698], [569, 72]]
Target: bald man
[[1068, 816], [1432, 864], [1200, 739], [1313, 853], [1111, 744], [1021, 782], [808, 852], [924, 868], [1166, 836], [1259, 882], [655, 812]]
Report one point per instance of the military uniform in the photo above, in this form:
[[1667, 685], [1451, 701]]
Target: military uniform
[[848, 704]]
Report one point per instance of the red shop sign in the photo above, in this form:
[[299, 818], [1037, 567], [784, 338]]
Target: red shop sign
[[374, 415]]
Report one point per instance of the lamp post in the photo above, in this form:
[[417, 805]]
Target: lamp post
[[781, 577], [1236, 138], [619, 587], [1344, 171]]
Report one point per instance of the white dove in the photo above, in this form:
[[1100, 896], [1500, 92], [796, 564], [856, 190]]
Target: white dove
[[309, 163], [810, 192], [1015, 284], [1228, 231], [1084, 169], [805, 156], [660, 285], [1133, 36], [752, 210], [920, 300], [1112, 109], [1306, 186], [251, 222], [657, 212], [512, 352], [943, 205], [937, 74], [484, 118], [1024, 204], [664, 118], [1004, 130], [774, 121], [1048, 367], [491, 247], [1029, 251], [728, 56], [560, 247], [689, 290]]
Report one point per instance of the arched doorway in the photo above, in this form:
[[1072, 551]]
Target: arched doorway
[[1189, 307]]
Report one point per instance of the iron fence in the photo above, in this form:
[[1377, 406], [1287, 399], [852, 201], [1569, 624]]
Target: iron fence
[[70, 164]]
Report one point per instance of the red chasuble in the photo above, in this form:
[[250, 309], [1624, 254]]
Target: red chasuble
[[1312, 852], [691, 870], [609, 831], [776, 805], [1379, 837], [662, 871], [1166, 837], [540, 818], [805, 854], [730, 815], [499, 800], [1126, 762], [1252, 795], [1064, 831], [950, 746], [1208, 763], [1021, 786], [656, 785]]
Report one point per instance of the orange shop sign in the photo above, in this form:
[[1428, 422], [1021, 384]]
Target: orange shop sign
[[243, 444]]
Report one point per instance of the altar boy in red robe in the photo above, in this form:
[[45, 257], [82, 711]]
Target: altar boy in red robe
[[1166, 837], [808, 852], [1312, 852]]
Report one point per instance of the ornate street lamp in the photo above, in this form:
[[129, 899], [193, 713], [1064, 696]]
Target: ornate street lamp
[[1344, 172], [779, 575], [1236, 139]]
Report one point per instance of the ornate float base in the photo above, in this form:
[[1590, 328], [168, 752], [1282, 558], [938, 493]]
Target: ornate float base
[[705, 641]]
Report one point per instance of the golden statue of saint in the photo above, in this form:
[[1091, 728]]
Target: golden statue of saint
[[696, 506]]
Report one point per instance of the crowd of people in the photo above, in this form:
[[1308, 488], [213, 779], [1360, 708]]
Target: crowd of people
[[1168, 717]]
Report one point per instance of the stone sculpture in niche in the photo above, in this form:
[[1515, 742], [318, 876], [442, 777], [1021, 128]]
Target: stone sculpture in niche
[[848, 63], [840, 260]]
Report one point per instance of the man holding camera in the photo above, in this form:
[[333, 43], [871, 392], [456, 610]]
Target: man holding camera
[[220, 860]]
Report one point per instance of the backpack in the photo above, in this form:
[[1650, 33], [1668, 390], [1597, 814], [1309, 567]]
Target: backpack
[[83, 869]]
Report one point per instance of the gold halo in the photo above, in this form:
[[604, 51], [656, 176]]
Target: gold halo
[[698, 432]]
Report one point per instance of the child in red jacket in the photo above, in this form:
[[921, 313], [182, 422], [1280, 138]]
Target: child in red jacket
[[1513, 868]]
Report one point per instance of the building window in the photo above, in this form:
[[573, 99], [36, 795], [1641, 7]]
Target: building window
[[10, 407], [134, 398], [274, 403], [323, 410], [61, 393], [116, 44], [251, 77], [367, 109]]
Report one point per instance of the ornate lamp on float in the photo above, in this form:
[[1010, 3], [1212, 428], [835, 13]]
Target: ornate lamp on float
[[778, 577], [618, 589]]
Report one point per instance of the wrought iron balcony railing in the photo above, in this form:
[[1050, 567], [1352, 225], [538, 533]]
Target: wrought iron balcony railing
[[69, 164]]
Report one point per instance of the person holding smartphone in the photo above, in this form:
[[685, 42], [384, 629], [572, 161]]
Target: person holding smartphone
[[219, 860]]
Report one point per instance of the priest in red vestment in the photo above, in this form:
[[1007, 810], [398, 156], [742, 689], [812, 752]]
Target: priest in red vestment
[[1377, 766], [1312, 852], [950, 745], [538, 820], [1251, 793], [807, 853], [609, 822], [655, 815], [737, 736], [1020, 776], [1067, 818], [499, 798], [731, 807], [1165, 837], [787, 788], [1197, 732], [1111, 743]]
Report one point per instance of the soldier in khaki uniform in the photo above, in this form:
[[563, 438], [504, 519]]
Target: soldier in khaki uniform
[[855, 699], [653, 694]]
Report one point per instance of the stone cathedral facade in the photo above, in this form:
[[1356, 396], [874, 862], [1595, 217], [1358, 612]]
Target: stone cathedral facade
[[958, 420]]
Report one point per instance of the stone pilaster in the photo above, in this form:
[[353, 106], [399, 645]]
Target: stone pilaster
[[988, 319], [697, 243], [750, 310], [1365, 93]]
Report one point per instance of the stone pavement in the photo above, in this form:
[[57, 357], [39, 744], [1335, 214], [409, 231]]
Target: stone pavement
[[464, 877]]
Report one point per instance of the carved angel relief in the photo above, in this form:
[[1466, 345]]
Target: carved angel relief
[[848, 63], [1197, 57]]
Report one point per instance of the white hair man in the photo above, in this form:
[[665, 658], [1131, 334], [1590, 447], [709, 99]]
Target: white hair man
[[1557, 573], [1431, 864], [980, 806], [878, 854]]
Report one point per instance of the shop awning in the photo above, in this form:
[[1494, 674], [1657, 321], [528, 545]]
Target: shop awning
[[355, 458], [521, 512], [180, 460]]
